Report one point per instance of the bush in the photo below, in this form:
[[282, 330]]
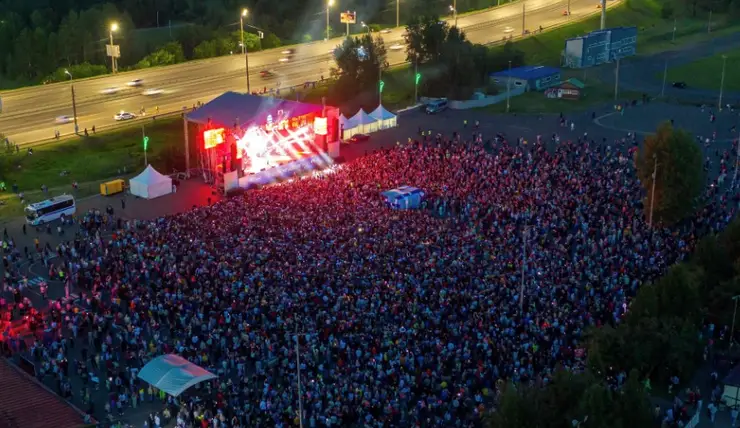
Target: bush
[[271, 41], [78, 71], [169, 54]]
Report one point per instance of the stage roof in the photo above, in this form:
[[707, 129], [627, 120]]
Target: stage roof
[[230, 108]]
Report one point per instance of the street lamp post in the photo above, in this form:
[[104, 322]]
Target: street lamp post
[[524, 15], [245, 51], [74, 103], [734, 313], [241, 27], [665, 77], [616, 82], [366, 27], [722, 82], [329, 4], [113, 61], [508, 89], [603, 14], [398, 13], [453, 9], [652, 190]]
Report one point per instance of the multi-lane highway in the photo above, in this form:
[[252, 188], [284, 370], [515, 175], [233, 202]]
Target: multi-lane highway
[[29, 114]]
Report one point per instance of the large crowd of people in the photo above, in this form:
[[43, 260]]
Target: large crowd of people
[[395, 317]]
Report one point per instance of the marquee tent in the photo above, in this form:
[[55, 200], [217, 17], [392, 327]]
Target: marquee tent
[[362, 123], [385, 118], [173, 374], [150, 184], [403, 198]]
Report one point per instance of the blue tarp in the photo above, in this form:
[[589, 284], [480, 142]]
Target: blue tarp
[[173, 374], [231, 108], [404, 197]]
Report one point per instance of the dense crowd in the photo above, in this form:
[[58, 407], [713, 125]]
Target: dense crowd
[[399, 317]]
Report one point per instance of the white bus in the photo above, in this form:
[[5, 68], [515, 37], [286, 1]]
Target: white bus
[[50, 209]]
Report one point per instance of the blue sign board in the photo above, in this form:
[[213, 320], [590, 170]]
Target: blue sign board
[[601, 46]]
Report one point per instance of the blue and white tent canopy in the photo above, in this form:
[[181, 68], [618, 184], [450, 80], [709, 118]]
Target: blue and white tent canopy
[[384, 117], [173, 374], [404, 197]]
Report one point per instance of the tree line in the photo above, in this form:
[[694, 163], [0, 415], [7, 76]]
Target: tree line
[[40, 38]]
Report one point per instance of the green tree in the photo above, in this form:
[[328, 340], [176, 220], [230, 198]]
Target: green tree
[[680, 176], [360, 61], [171, 53]]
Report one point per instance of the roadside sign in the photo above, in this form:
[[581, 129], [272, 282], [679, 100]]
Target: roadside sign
[[113, 50], [261, 34], [348, 17]]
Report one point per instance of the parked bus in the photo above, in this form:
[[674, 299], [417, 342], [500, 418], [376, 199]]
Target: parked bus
[[50, 209]]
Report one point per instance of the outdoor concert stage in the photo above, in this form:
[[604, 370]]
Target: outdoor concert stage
[[247, 140]]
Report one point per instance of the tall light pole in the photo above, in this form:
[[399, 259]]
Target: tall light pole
[[524, 14], [673, 37], [241, 27], [398, 13], [734, 313], [525, 235], [508, 89], [329, 4], [365, 26], [603, 14], [616, 82], [652, 190], [113, 61], [245, 51], [454, 10], [74, 103], [722, 82]]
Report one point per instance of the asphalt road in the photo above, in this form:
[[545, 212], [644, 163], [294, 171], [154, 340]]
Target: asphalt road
[[29, 113], [644, 74]]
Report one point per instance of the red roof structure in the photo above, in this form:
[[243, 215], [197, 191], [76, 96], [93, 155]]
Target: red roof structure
[[27, 404]]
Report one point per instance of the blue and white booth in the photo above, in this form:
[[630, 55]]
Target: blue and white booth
[[404, 197]]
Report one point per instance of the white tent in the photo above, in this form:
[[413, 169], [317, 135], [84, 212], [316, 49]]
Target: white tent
[[150, 184], [346, 126], [403, 198], [384, 117], [173, 374], [364, 122]]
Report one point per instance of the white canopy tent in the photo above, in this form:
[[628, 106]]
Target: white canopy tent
[[173, 374], [385, 118], [362, 123], [150, 184]]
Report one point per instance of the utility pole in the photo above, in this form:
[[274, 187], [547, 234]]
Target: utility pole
[[454, 8], [398, 13], [568, 9], [709, 24], [665, 76], [241, 28], [737, 160], [603, 14], [722, 82], [616, 82], [524, 267], [524, 14], [245, 51], [734, 314], [145, 142], [298, 370], [329, 4], [508, 89], [652, 191], [673, 38], [74, 109]]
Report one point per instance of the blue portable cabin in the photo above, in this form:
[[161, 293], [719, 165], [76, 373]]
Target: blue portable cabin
[[403, 198], [531, 77]]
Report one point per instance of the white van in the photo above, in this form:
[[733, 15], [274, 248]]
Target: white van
[[436, 106]]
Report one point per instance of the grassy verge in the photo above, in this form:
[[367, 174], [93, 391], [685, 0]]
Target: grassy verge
[[89, 161], [706, 73], [653, 31], [596, 93]]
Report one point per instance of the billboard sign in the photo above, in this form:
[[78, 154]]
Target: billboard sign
[[213, 138], [599, 47], [113, 50], [348, 17]]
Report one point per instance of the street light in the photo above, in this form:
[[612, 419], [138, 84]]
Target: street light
[[398, 13], [365, 26], [652, 191], [722, 83], [329, 4], [508, 89], [113, 62], [74, 103], [453, 9], [241, 26], [245, 51]]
